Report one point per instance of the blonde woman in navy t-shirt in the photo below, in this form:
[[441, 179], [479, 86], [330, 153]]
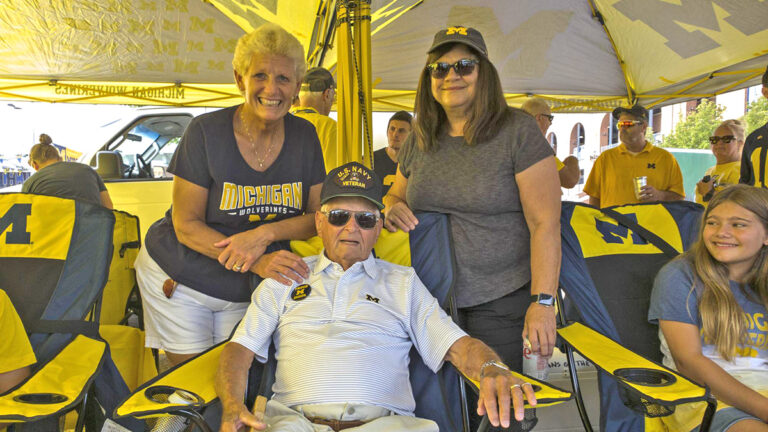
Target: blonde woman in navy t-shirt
[[246, 179]]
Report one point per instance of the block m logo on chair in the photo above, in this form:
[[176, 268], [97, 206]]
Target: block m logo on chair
[[14, 220]]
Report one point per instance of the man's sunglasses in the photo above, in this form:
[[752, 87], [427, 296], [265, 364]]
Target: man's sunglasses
[[340, 217], [548, 116], [462, 67], [726, 139], [627, 123]]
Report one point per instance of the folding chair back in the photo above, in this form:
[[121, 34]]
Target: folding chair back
[[54, 257], [122, 275], [610, 258]]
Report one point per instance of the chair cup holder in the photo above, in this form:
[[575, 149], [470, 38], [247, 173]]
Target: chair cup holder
[[172, 395], [40, 398], [647, 378]]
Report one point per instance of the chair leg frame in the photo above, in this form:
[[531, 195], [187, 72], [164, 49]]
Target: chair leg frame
[[572, 371], [706, 421], [196, 418]]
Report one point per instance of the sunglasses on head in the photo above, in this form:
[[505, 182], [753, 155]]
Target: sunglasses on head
[[462, 67], [627, 123], [340, 217], [726, 139]]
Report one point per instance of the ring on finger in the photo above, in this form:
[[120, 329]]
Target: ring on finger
[[237, 267], [528, 384], [515, 386]]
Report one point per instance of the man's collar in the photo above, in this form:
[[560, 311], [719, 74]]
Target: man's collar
[[369, 265], [648, 146], [303, 109]]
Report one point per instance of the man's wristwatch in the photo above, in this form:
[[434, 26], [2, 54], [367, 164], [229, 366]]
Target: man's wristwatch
[[496, 363], [543, 299]]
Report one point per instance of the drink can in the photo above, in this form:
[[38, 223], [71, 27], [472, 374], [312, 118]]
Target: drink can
[[639, 182], [534, 365]]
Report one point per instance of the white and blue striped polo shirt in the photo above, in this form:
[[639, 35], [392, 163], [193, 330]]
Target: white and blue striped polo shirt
[[349, 339]]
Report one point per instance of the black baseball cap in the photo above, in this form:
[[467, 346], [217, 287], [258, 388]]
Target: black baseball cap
[[317, 79], [636, 110], [352, 179], [460, 34]]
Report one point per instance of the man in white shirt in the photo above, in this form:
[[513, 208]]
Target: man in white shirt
[[342, 336]]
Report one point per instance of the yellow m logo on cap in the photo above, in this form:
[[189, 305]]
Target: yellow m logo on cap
[[459, 30]]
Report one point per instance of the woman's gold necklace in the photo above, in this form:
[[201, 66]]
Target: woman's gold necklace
[[252, 141]]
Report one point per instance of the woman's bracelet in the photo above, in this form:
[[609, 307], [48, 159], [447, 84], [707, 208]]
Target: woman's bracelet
[[496, 363]]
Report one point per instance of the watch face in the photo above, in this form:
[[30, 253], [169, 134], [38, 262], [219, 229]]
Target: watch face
[[543, 299]]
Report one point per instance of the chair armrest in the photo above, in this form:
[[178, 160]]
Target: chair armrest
[[58, 386], [546, 394]]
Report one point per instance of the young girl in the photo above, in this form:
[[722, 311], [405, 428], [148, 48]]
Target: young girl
[[711, 307]]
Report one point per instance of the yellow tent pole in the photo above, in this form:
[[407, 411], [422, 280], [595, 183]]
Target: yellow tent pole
[[354, 80], [364, 53], [343, 87]]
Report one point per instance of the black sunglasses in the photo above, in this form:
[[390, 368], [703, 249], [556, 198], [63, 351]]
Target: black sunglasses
[[549, 116], [340, 217], [462, 67], [726, 139]]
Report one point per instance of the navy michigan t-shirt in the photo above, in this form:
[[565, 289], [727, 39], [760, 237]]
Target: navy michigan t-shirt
[[239, 198]]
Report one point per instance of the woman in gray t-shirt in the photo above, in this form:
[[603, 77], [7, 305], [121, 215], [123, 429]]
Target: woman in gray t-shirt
[[490, 169]]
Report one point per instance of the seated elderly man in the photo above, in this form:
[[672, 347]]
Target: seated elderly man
[[342, 336]]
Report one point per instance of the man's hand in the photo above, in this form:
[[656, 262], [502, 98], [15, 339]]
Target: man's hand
[[495, 395], [237, 416], [282, 266], [399, 216], [540, 328], [649, 194]]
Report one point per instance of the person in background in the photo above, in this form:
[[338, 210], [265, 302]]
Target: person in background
[[612, 179], [711, 306], [55, 177], [726, 143], [568, 169], [16, 355], [385, 160], [489, 168], [316, 97], [753, 165], [246, 179]]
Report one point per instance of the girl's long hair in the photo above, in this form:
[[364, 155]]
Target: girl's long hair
[[722, 318], [486, 117]]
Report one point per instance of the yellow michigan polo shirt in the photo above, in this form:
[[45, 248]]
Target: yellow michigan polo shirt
[[612, 177], [326, 132]]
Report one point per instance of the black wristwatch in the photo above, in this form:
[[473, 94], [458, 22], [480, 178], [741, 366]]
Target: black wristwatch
[[543, 299]]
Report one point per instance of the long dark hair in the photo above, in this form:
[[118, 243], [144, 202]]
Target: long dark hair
[[487, 115]]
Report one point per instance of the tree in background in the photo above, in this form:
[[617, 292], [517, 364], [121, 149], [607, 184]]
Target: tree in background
[[695, 130], [757, 114]]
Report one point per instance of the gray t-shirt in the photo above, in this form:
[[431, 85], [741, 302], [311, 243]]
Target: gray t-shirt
[[476, 187], [67, 180]]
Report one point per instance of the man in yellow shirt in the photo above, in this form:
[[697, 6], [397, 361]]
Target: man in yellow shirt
[[16, 354], [316, 97], [568, 170], [611, 181]]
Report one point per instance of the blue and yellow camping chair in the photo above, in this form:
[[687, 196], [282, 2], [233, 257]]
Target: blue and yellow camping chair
[[610, 259], [54, 256], [438, 396]]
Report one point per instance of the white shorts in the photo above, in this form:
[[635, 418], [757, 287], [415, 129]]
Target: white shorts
[[190, 321]]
